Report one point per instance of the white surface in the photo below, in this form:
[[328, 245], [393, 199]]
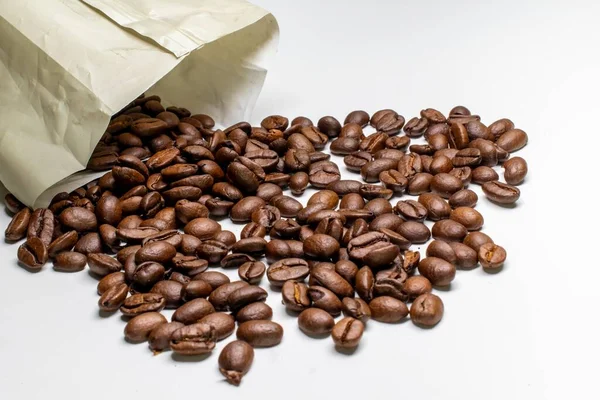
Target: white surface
[[528, 332]]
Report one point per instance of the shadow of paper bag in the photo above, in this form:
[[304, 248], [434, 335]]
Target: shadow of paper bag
[[66, 66]]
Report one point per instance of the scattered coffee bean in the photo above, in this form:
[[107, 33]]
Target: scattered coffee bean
[[347, 332], [235, 359], [427, 310]]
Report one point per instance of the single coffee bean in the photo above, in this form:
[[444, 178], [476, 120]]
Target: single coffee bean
[[160, 337], [70, 261], [445, 185], [102, 264], [427, 310], [359, 117], [463, 198], [415, 127], [440, 164], [491, 256], [13, 204], [219, 297], [254, 311], [140, 303], [416, 286], [321, 246], [17, 228], [393, 180], [161, 252], [223, 324], [439, 272], [170, 290], [515, 170], [246, 295], [467, 217], [371, 170], [388, 309], [373, 249], [279, 249], [467, 157], [138, 328], [344, 146], [411, 210], [260, 333], [501, 193], [365, 283], [41, 225], [245, 174], [488, 151], [275, 122], [433, 116], [196, 289], [202, 228], [347, 332], [243, 209], [110, 280], [347, 269], [419, 183], [213, 278], [113, 298], [198, 338], [459, 137], [441, 249], [449, 230], [484, 174], [295, 296], [476, 239], [192, 311], [356, 308], [355, 161], [253, 229], [298, 183], [252, 272], [322, 173], [414, 231], [466, 257], [324, 299], [314, 321], [512, 140], [235, 360], [498, 128]]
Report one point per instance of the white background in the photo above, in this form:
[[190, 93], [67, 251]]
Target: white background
[[528, 332]]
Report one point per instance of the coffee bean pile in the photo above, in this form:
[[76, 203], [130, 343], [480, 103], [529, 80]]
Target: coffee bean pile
[[347, 251]]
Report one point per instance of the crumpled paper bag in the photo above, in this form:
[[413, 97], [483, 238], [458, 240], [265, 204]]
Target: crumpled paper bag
[[66, 66]]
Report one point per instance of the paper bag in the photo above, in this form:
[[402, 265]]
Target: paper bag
[[66, 66]]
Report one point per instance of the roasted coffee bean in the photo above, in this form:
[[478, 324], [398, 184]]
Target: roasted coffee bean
[[449, 230], [160, 337], [498, 128], [501, 193], [213, 278], [298, 183], [359, 117], [254, 246], [287, 269], [321, 246], [347, 269], [285, 229], [433, 115], [325, 299], [476, 239], [439, 164], [441, 249], [373, 143], [69, 261], [287, 206], [512, 140], [347, 332], [393, 180], [411, 210], [427, 310], [386, 221], [89, 243], [491, 256], [466, 257], [222, 323], [414, 231], [102, 264], [192, 311], [329, 126], [198, 338], [389, 122], [459, 137], [267, 191], [254, 311], [275, 122], [33, 253], [352, 131], [110, 280], [484, 174], [314, 136], [355, 161], [373, 249], [41, 225], [467, 157], [244, 209], [365, 282], [235, 360], [463, 198], [375, 192], [439, 272], [352, 201], [314, 321], [279, 249], [235, 260], [415, 127], [246, 295], [416, 286], [170, 290], [219, 297], [488, 151], [356, 308], [245, 174], [331, 280], [260, 333], [17, 228], [13, 204], [202, 228], [179, 277], [445, 185], [419, 183], [322, 173], [396, 238], [196, 289], [140, 303], [388, 309], [160, 252], [411, 261], [138, 328], [295, 296], [467, 217], [146, 275], [515, 171], [253, 229]]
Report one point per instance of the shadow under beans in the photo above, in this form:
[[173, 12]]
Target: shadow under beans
[[293, 314], [106, 314], [317, 336], [507, 206], [197, 358], [29, 269], [275, 288], [93, 275], [467, 268], [426, 327]]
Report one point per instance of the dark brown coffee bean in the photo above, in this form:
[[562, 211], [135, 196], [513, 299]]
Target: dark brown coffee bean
[[329, 126], [388, 122], [254, 246], [459, 137], [359, 117], [260, 333], [352, 201], [466, 257], [355, 161], [213, 278], [275, 122], [441, 249], [501, 193], [322, 173], [196, 289], [416, 286], [295, 296], [279, 249], [287, 269], [419, 183], [79, 219], [298, 183], [409, 165], [365, 282], [202, 228], [427, 310], [179, 277], [488, 151], [69, 261], [325, 299], [321, 246], [254, 311], [484, 174], [138, 328], [347, 332], [13, 204], [192, 311], [89, 243], [415, 127], [449, 230], [33, 253], [414, 231], [219, 297], [375, 192], [388, 309], [445, 185], [314, 321], [170, 290], [386, 221], [314, 136], [512, 140], [235, 260], [110, 280], [246, 295], [411, 210], [433, 116], [467, 157], [222, 323], [491, 256], [347, 269], [439, 272], [373, 143], [515, 171], [500, 127], [252, 229], [463, 198], [356, 308], [243, 210], [113, 298], [160, 337], [235, 360], [102, 264], [17, 228], [41, 225], [476, 239], [467, 217], [344, 146], [161, 252], [331, 280], [140, 303], [198, 338]]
